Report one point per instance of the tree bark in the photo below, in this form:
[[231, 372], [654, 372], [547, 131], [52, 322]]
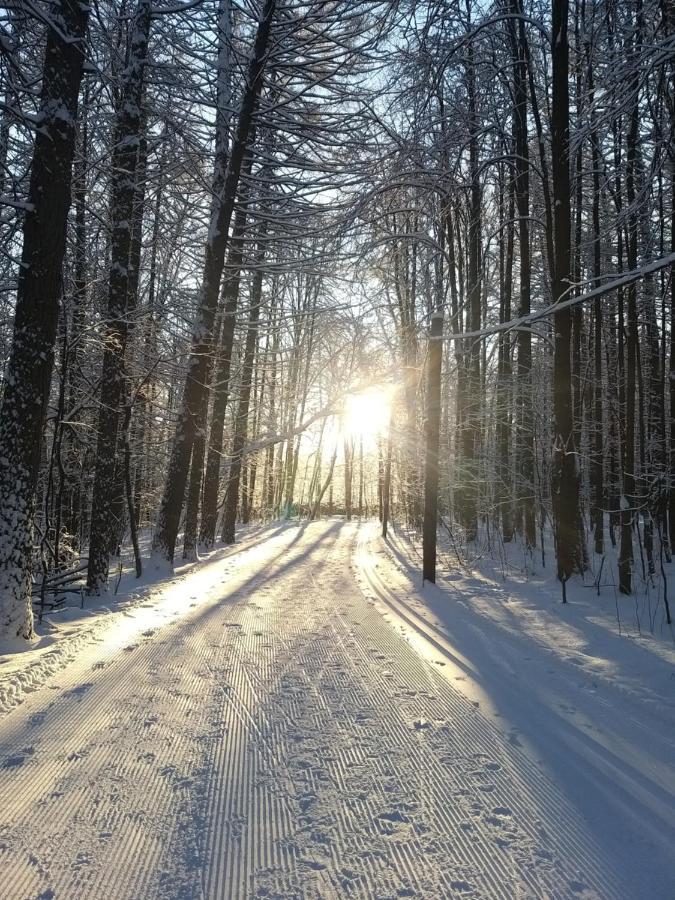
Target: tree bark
[[126, 159], [629, 498], [241, 421], [597, 480], [31, 359], [522, 186], [433, 419], [221, 387], [565, 479]]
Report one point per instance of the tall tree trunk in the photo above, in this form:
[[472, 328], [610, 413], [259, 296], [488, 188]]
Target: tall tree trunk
[[349, 474], [597, 480], [73, 488], [472, 414], [671, 510], [565, 479], [126, 159], [118, 505], [433, 419], [316, 509], [360, 476], [504, 494], [668, 14], [223, 363], [268, 480], [195, 479], [31, 359], [386, 478], [145, 399], [522, 186], [629, 498], [241, 421]]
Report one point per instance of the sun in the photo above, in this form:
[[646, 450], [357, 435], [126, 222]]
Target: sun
[[366, 415]]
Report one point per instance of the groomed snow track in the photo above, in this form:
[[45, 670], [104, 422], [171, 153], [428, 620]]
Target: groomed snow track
[[280, 740]]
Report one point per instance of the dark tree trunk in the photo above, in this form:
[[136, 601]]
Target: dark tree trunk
[[195, 480], [73, 491], [316, 509], [386, 481], [470, 427], [221, 387], [669, 25], [565, 479], [433, 419], [126, 159], [525, 441], [241, 421], [361, 476], [597, 479], [349, 475], [31, 359], [629, 498], [504, 497]]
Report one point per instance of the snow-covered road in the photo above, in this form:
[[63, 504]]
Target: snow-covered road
[[278, 739]]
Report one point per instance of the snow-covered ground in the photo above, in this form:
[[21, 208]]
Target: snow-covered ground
[[299, 718], [586, 690], [65, 631]]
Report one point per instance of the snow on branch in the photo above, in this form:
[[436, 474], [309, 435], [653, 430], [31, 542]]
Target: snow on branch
[[523, 321]]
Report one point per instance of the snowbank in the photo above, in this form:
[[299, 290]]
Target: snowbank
[[154, 599]]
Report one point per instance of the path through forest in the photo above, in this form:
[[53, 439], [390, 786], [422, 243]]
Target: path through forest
[[280, 739]]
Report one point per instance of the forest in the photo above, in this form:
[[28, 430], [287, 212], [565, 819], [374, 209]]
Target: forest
[[337, 449], [294, 258]]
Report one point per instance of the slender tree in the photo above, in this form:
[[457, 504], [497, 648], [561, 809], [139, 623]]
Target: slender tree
[[565, 480], [126, 161]]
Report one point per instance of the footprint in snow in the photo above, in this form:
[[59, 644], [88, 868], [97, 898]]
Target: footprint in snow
[[306, 802], [15, 762], [312, 864], [462, 887], [77, 755], [394, 816]]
